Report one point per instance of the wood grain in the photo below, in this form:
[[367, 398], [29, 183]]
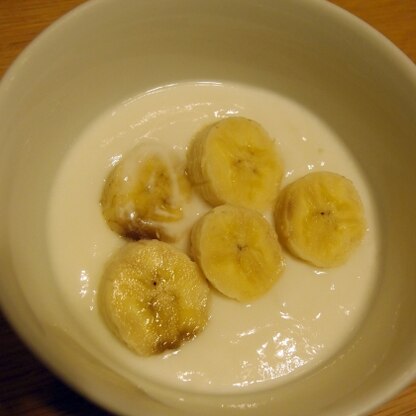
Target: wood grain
[[396, 19], [26, 386]]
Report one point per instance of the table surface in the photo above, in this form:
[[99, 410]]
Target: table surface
[[26, 386]]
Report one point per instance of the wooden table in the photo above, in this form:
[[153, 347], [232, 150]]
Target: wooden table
[[26, 386]]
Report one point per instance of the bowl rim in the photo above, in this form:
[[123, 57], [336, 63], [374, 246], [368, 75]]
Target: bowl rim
[[344, 17]]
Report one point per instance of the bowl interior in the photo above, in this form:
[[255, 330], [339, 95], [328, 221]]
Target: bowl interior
[[311, 52]]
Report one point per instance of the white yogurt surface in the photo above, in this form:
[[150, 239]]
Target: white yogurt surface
[[300, 324]]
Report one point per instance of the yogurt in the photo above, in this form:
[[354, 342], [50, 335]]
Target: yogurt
[[305, 319]]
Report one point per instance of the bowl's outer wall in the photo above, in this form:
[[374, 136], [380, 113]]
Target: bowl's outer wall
[[329, 62]]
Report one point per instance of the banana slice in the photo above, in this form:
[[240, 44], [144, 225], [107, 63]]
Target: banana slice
[[145, 192], [235, 162], [238, 251], [153, 297], [320, 218]]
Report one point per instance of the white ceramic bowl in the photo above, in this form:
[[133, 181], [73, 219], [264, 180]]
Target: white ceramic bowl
[[328, 61]]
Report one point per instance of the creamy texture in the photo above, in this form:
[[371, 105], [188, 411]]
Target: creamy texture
[[300, 324]]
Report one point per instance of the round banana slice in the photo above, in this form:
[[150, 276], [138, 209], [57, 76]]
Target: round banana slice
[[238, 251], [145, 192], [320, 218], [153, 297], [235, 162]]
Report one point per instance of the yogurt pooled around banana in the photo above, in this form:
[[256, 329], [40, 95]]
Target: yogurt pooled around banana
[[267, 342]]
